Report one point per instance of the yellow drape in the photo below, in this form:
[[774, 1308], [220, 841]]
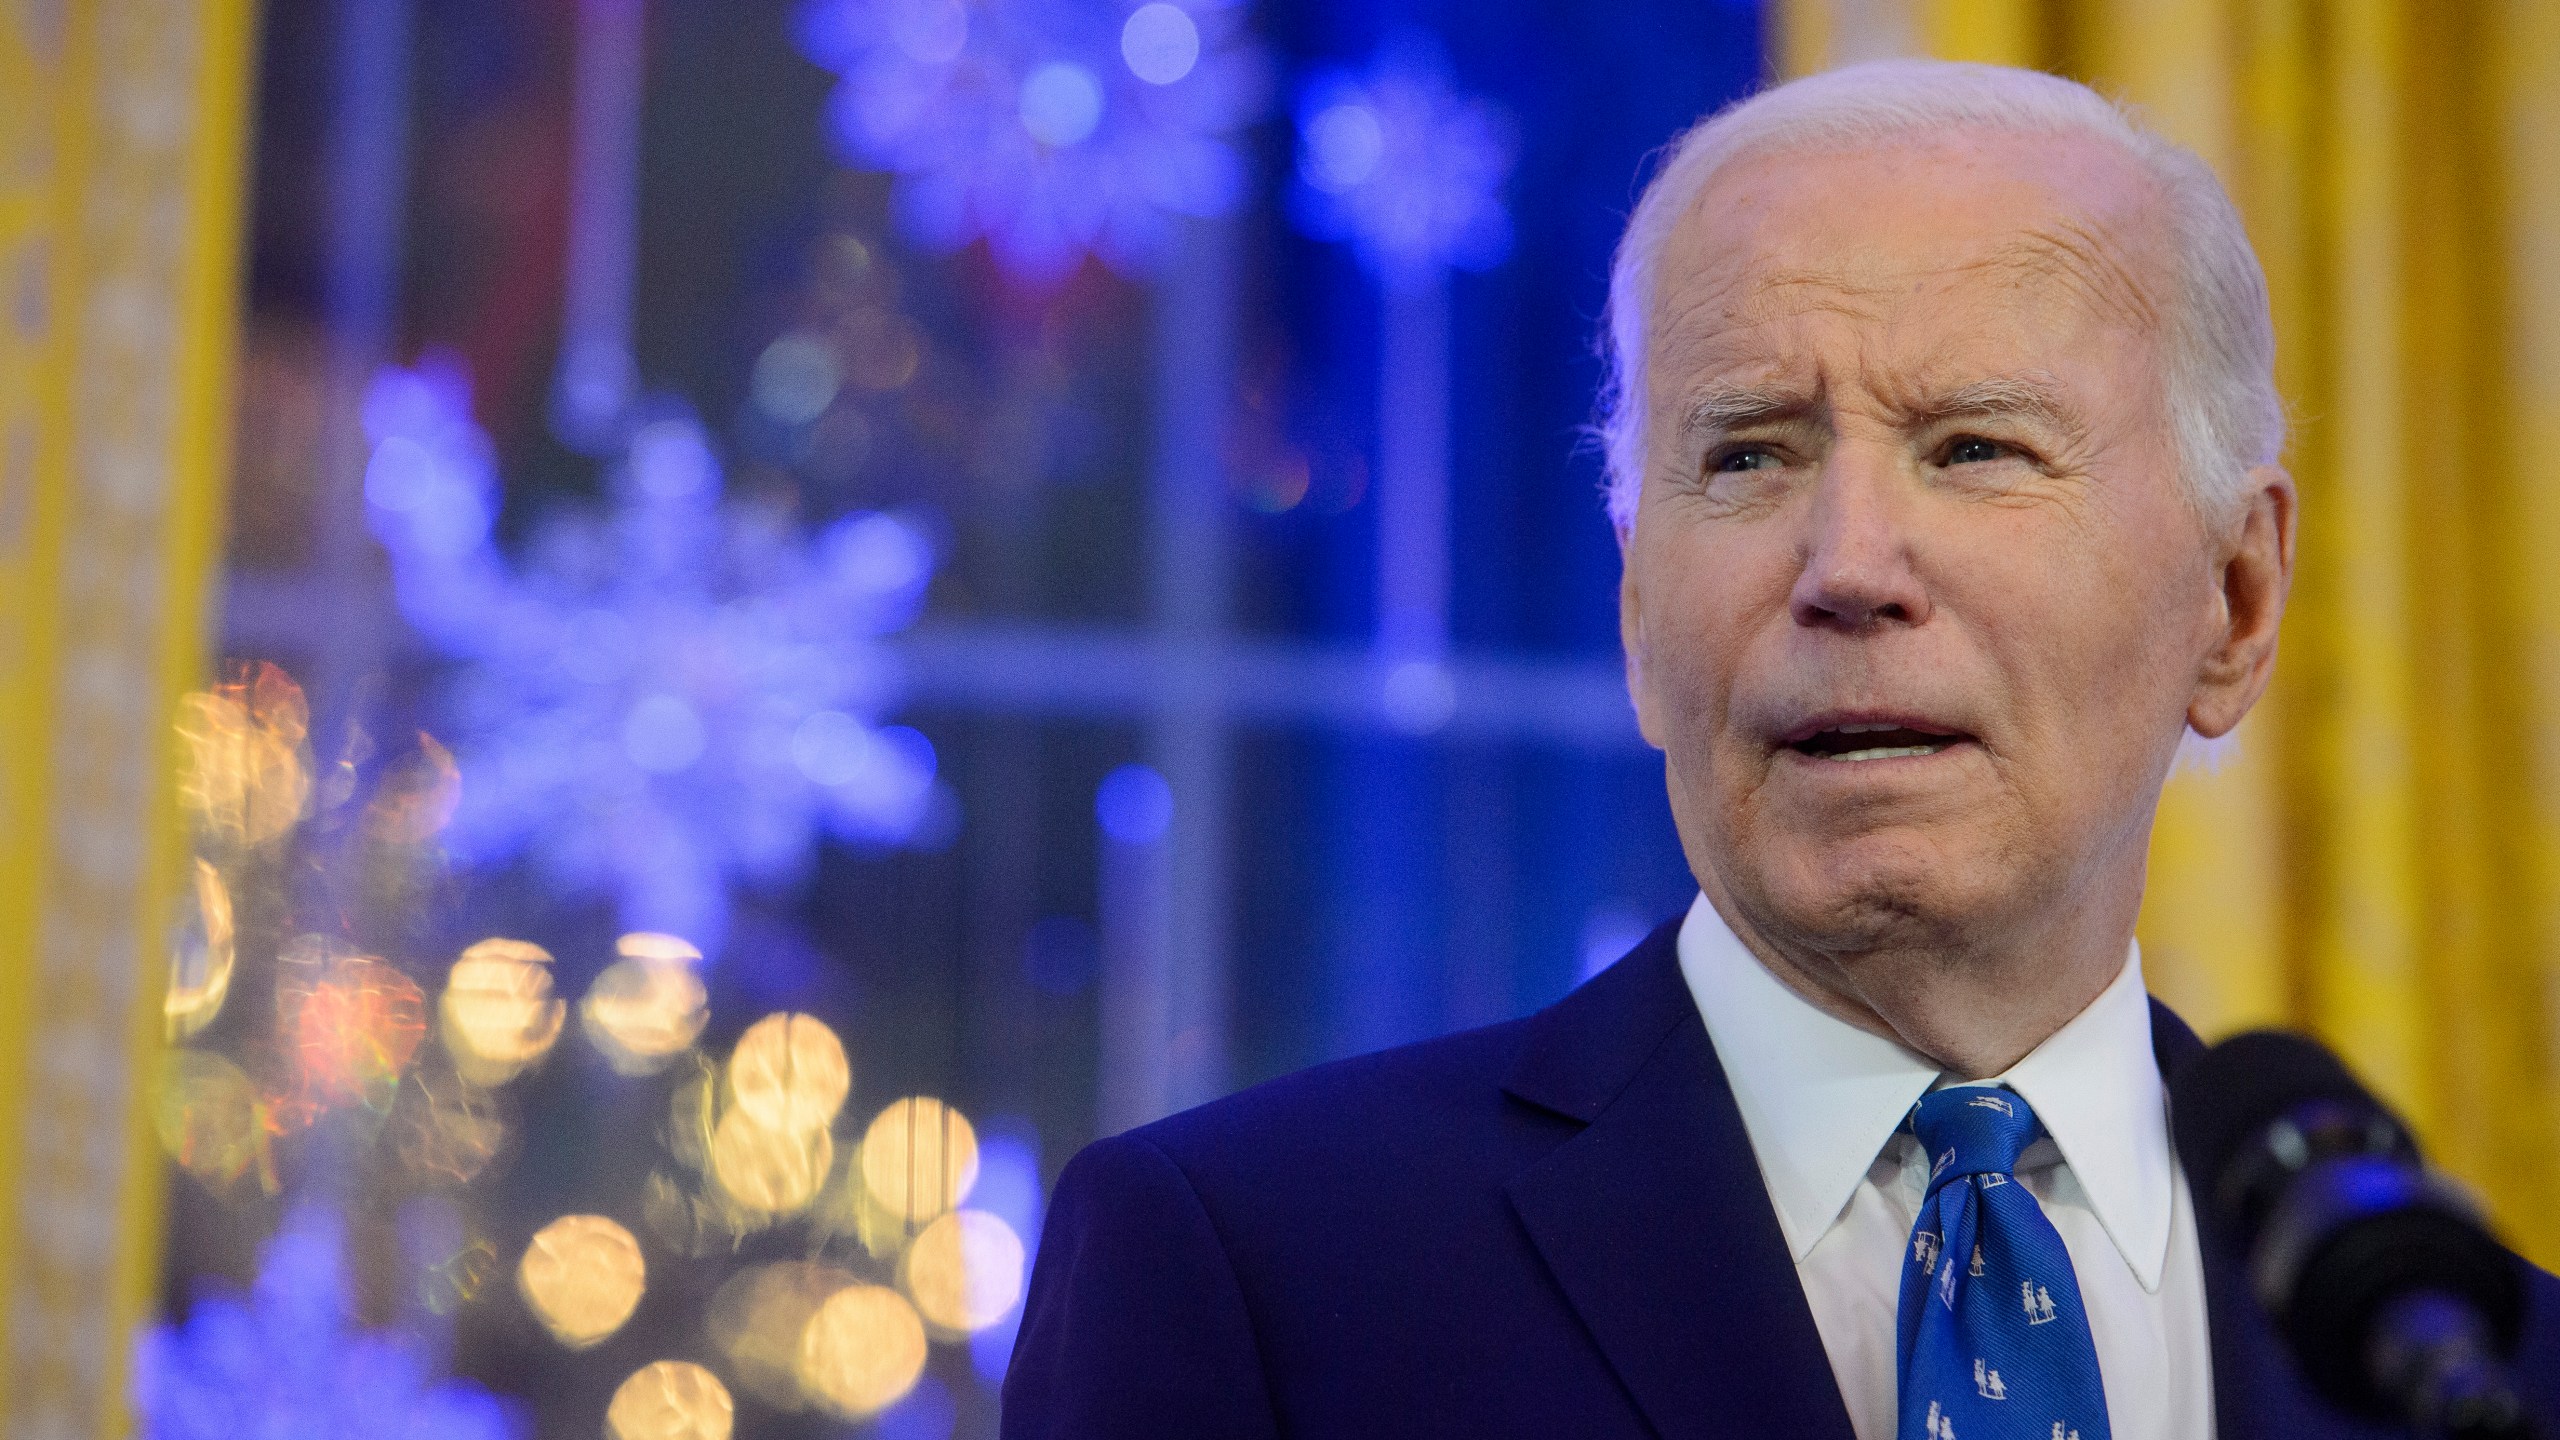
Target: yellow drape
[[122, 127], [2377, 859]]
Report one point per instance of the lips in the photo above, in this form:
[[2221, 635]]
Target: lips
[[1846, 739]]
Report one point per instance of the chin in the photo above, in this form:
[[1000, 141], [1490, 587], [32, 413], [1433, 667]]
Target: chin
[[1885, 890]]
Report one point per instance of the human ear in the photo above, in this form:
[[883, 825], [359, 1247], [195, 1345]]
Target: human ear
[[2253, 575], [1631, 639]]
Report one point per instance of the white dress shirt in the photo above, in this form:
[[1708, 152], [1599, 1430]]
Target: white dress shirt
[[1823, 1100]]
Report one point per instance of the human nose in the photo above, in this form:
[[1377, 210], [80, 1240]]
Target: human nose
[[1856, 568]]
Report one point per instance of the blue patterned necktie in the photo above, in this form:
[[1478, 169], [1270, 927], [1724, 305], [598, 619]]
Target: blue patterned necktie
[[1995, 1345]]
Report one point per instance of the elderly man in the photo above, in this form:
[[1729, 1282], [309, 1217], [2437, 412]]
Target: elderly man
[[1942, 449]]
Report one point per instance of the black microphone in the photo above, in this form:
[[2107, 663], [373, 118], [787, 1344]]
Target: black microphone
[[2380, 1274]]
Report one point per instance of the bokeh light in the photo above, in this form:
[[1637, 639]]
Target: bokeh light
[[1061, 103], [498, 1014], [861, 1351], [212, 1121], [444, 1128], [688, 1222], [582, 1276], [455, 1281], [796, 379], [349, 1024], [771, 1172], [756, 1321], [1160, 42], [789, 1074], [246, 776], [647, 1007], [670, 1400], [919, 1158], [201, 952], [417, 797], [1134, 805], [964, 1272]]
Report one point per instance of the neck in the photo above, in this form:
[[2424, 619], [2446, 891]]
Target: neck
[[1973, 1003]]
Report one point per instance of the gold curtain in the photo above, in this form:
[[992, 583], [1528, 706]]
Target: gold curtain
[[122, 132], [2377, 857]]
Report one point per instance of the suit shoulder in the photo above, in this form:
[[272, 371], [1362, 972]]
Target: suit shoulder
[[1378, 1098]]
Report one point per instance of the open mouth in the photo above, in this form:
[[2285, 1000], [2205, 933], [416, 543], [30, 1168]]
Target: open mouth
[[1853, 743]]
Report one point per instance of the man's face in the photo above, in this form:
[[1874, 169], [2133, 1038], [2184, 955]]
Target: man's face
[[1914, 603]]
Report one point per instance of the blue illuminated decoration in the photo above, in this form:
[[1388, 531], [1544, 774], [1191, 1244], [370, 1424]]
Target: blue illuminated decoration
[[1395, 163], [1052, 129], [665, 695], [1134, 804], [287, 1359]]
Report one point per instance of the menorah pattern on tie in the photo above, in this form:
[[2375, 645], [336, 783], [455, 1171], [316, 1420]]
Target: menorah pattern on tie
[[1995, 1345]]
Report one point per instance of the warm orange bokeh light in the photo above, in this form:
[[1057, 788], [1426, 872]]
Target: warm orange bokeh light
[[670, 1400], [862, 1351], [349, 1024], [789, 1074], [919, 1158], [212, 1121], [498, 1013], [768, 1171], [582, 1276], [647, 1007], [756, 1320], [417, 797], [445, 1128], [964, 1272], [245, 775], [200, 956]]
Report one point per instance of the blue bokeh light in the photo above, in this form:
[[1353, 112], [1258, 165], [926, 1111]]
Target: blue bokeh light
[[1394, 162], [660, 698], [1160, 42], [1134, 805], [288, 1359], [1009, 1188], [1042, 126]]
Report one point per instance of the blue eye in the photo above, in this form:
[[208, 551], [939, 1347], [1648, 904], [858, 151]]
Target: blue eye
[[1752, 458], [1974, 450]]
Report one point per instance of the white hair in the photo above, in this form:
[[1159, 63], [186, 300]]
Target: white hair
[[2224, 413]]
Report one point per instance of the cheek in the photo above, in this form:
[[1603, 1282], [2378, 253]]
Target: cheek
[[2094, 626], [1707, 595]]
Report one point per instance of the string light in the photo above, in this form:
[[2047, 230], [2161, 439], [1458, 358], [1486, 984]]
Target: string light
[[789, 1074], [964, 1272], [498, 1014], [582, 1276], [670, 1400], [646, 1008], [861, 1351], [919, 1158]]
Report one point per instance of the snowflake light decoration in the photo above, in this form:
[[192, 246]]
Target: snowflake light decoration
[[1051, 128], [1397, 164], [664, 696], [287, 1359]]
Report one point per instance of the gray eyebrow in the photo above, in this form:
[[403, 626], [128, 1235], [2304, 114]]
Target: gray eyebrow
[[1723, 407], [2026, 396], [1727, 407]]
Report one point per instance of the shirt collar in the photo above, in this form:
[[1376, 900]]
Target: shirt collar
[[1820, 1097]]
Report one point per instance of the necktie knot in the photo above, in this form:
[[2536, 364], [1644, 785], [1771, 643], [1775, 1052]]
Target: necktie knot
[[1973, 1130]]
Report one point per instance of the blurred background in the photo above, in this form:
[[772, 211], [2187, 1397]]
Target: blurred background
[[657, 650]]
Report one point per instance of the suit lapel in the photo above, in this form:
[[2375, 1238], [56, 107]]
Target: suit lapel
[[1654, 1219], [1656, 1223]]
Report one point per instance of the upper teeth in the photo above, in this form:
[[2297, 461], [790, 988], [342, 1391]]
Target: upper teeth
[[1863, 729], [1886, 752]]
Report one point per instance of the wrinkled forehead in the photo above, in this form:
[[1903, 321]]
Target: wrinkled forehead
[[1966, 236]]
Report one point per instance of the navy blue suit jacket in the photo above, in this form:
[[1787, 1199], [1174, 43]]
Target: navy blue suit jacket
[[1553, 1227]]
